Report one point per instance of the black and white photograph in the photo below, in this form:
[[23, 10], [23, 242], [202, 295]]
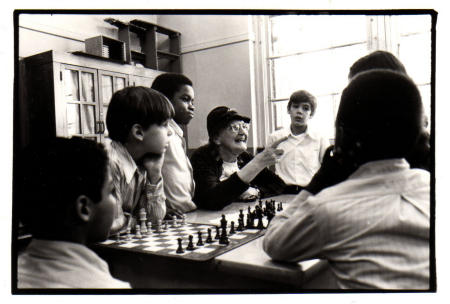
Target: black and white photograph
[[257, 152]]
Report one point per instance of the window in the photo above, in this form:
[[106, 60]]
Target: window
[[314, 53]]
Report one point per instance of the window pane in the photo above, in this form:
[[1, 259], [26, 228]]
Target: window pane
[[408, 24], [88, 119], [292, 34], [120, 83], [415, 54], [107, 88], [282, 119], [320, 73], [87, 87], [73, 119], [71, 85]]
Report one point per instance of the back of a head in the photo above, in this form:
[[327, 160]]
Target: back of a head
[[52, 175], [169, 83], [380, 112], [303, 96], [376, 60], [136, 105]]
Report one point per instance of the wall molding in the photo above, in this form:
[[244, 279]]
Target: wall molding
[[245, 37]]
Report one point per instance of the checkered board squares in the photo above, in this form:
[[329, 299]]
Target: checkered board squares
[[166, 242]]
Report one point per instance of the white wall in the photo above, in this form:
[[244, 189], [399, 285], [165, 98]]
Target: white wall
[[216, 57], [65, 32]]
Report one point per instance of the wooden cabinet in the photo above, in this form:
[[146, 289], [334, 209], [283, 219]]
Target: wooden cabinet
[[67, 95]]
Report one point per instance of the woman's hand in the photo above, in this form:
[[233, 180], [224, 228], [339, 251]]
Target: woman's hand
[[270, 155]]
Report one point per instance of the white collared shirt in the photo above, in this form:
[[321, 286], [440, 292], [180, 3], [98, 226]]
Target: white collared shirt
[[58, 264], [177, 173], [373, 228], [302, 155]]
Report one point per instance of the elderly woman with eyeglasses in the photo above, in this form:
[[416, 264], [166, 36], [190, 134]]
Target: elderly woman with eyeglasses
[[224, 171]]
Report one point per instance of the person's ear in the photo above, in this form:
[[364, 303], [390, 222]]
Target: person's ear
[[137, 132], [84, 208]]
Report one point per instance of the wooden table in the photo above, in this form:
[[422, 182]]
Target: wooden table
[[246, 269]]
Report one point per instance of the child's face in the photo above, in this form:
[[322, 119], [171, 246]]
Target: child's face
[[156, 138], [300, 113], [234, 137], [183, 103], [103, 211]]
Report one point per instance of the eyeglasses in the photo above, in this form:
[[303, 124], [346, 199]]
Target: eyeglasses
[[234, 127]]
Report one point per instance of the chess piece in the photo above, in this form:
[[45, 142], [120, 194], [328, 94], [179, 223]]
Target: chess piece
[[281, 206], [217, 233], [165, 225], [183, 220], [118, 240], [149, 228], [249, 222], [241, 214], [240, 226], [223, 222], [190, 245], [209, 237], [180, 246], [260, 223], [128, 237], [224, 237], [138, 232], [174, 221], [143, 228], [158, 226], [232, 231], [200, 241]]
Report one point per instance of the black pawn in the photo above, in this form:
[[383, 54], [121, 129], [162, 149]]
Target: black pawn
[[224, 238], [217, 233], [241, 214], [209, 237], [260, 223], [200, 241], [232, 231], [223, 222], [281, 206], [180, 246], [190, 245], [240, 226]]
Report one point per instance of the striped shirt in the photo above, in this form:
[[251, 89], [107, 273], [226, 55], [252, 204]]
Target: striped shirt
[[133, 190], [373, 228]]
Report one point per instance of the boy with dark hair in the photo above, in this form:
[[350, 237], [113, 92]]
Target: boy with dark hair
[[370, 217], [303, 149], [177, 170], [66, 201], [137, 122], [420, 154]]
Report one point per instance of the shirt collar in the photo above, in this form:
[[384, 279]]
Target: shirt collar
[[308, 132], [127, 163], [380, 166], [176, 128]]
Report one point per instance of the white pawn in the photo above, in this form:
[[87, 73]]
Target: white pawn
[[158, 226], [143, 228], [174, 221], [149, 229], [128, 238], [138, 232]]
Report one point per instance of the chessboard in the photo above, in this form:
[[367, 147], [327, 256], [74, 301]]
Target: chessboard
[[191, 241]]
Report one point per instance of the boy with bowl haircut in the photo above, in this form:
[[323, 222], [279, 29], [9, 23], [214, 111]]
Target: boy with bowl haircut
[[303, 149], [177, 170], [66, 201], [137, 121], [370, 215]]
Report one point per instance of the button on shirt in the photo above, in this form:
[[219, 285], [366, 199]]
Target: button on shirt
[[58, 264], [302, 155], [177, 172], [373, 228], [133, 190]]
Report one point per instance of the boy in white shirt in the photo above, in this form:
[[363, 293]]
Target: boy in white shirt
[[303, 149]]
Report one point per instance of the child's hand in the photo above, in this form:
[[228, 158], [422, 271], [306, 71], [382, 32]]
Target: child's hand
[[332, 171], [153, 164]]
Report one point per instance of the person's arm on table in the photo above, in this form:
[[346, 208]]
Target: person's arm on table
[[294, 234]]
